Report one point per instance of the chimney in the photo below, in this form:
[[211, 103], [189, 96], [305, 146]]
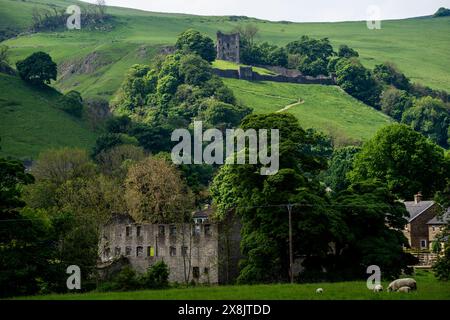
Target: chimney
[[418, 197]]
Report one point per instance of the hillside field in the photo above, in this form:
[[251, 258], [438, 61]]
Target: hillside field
[[30, 121], [428, 289], [327, 108], [418, 46]]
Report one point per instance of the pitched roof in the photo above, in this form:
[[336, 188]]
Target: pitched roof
[[415, 209], [444, 219]]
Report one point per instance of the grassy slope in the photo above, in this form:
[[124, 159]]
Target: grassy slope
[[30, 121], [418, 46], [428, 288], [324, 107]]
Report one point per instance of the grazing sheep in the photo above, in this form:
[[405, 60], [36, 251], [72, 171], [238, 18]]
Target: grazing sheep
[[319, 290], [407, 282], [404, 289], [378, 288]]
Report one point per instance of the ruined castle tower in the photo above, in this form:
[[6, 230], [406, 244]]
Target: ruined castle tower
[[228, 47]]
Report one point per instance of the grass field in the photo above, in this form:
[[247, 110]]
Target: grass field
[[428, 288], [227, 65], [30, 121], [418, 46], [326, 108]]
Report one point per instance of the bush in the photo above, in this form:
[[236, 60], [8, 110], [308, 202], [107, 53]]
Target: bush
[[72, 103], [156, 277], [442, 266]]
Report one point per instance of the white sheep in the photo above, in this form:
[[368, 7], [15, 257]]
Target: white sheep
[[406, 282], [404, 289], [319, 290], [378, 288]]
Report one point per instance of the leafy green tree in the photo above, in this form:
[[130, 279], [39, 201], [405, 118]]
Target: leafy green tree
[[340, 165], [388, 74], [404, 160], [222, 115], [442, 12], [194, 70], [38, 68], [265, 224], [193, 41], [374, 221], [430, 117], [72, 103], [347, 52], [395, 102], [108, 141], [358, 81]]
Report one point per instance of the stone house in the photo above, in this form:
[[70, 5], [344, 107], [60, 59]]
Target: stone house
[[436, 226], [420, 213], [203, 251]]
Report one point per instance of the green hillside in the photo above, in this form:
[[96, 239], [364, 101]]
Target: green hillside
[[30, 121], [327, 108], [418, 46]]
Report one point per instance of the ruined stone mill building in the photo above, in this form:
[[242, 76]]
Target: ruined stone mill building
[[203, 251], [228, 47]]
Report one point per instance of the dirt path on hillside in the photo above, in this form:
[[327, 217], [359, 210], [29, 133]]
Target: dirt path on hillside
[[291, 105]]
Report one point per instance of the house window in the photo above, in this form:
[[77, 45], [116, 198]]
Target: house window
[[150, 252], [196, 230], [423, 244], [128, 231], [207, 229], [117, 251], [128, 251], [173, 230], [138, 231], [161, 230], [173, 251], [196, 272], [184, 251]]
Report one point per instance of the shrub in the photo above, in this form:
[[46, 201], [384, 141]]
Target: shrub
[[156, 277], [72, 103]]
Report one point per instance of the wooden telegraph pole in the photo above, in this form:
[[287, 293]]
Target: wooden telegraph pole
[[291, 257]]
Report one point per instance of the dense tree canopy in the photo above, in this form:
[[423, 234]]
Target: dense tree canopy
[[395, 102], [192, 41], [404, 160], [38, 68]]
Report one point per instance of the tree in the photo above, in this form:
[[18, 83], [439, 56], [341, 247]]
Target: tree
[[115, 162], [72, 103], [404, 160], [155, 192], [247, 32], [37, 68], [193, 41], [221, 115], [347, 52], [388, 74], [194, 70], [357, 81], [110, 140], [259, 201], [340, 165], [430, 117], [395, 102], [442, 12]]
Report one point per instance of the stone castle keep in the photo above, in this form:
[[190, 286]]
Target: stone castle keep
[[202, 251], [228, 47]]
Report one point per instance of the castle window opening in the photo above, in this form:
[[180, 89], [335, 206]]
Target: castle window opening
[[196, 272], [206, 271], [173, 251], [138, 231], [139, 251], [173, 230], [184, 251], [207, 229], [161, 230], [117, 251], [128, 231], [150, 251], [128, 251]]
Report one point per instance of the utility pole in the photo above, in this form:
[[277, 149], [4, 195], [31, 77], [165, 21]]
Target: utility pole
[[291, 257]]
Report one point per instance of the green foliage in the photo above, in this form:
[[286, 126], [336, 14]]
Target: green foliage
[[430, 117], [395, 102], [263, 54], [222, 115], [156, 276], [314, 55], [341, 163], [38, 68], [404, 160], [110, 140], [194, 70], [441, 267], [357, 81], [388, 74], [192, 41], [442, 12], [347, 52], [72, 103]]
